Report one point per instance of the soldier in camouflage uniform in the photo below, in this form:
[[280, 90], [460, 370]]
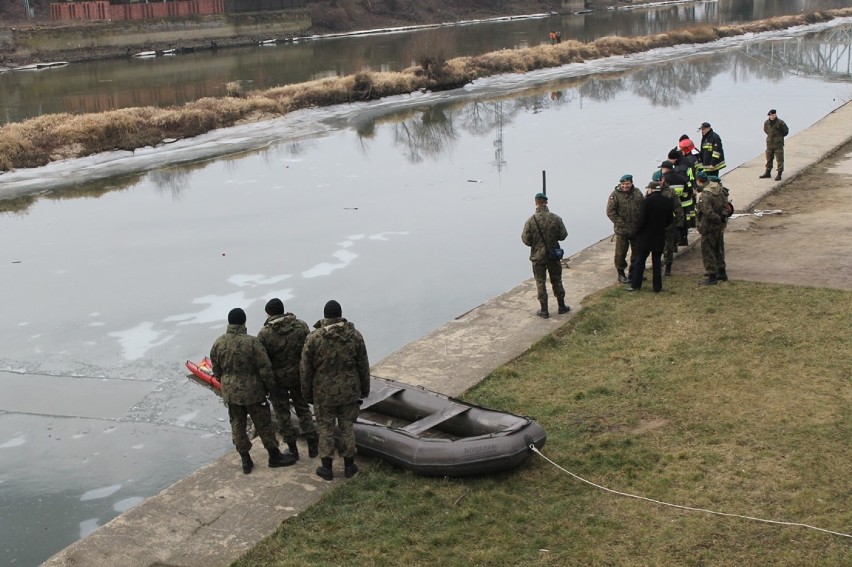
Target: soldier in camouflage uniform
[[283, 336], [622, 208], [542, 231], [243, 368], [776, 130], [712, 216], [335, 378]]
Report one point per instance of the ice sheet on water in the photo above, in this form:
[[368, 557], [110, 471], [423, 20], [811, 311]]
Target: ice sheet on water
[[98, 493], [253, 280], [88, 526], [126, 504], [14, 442], [137, 341]]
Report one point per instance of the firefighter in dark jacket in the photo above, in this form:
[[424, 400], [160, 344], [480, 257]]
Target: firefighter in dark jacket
[[711, 155]]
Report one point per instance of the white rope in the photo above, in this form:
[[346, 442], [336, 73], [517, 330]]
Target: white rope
[[535, 450], [757, 213]]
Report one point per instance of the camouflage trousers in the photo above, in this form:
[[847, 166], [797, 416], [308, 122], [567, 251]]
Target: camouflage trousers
[[622, 243], [713, 252], [343, 416], [280, 398], [262, 419], [672, 235], [541, 271], [775, 154]]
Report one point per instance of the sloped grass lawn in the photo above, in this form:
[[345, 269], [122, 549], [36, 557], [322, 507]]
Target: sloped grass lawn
[[735, 398]]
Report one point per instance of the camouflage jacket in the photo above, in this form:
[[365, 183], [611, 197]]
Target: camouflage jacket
[[552, 228], [775, 131], [711, 208], [283, 337], [622, 208], [242, 366], [334, 366]]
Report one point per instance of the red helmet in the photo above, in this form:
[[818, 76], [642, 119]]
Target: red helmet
[[686, 145]]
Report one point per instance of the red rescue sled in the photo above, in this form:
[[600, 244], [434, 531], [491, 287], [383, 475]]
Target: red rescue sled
[[203, 371]]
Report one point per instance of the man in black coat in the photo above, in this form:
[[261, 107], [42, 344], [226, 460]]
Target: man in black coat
[[656, 213]]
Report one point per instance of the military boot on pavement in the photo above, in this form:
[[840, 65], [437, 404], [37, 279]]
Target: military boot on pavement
[[621, 277], [766, 174], [562, 307], [313, 447], [279, 459], [294, 450], [543, 313], [324, 471], [246, 462], [350, 469], [778, 177]]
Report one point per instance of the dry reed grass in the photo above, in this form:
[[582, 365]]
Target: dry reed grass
[[39, 140]]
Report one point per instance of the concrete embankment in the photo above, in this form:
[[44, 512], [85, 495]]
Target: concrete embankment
[[216, 514], [98, 40]]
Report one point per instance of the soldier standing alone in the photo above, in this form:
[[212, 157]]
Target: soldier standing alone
[[335, 377], [542, 232], [243, 368], [776, 130], [283, 336]]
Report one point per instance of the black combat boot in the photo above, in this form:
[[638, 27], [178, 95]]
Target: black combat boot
[[247, 462], [350, 469], [543, 311], [562, 307], [668, 271], [324, 471], [313, 447], [711, 280], [722, 276], [621, 277], [766, 174], [279, 459], [778, 177], [294, 450]]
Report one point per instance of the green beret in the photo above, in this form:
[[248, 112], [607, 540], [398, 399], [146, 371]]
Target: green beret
[[625, 177], [701, 175], [713, 178], [541, 196], [657, 175]]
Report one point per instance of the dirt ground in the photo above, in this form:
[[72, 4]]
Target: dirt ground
[[808, 243]]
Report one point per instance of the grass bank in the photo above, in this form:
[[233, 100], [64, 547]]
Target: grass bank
[[39, 140], [735, 398]]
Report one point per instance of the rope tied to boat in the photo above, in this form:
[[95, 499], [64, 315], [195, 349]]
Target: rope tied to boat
[[535, 450]]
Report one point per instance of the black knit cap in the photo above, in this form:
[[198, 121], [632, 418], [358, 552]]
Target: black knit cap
[[236, 316], [274, 307], [332, 310]]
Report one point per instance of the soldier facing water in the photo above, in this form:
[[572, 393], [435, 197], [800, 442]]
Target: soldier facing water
[[283, 336], [335, 377], [244, 370]]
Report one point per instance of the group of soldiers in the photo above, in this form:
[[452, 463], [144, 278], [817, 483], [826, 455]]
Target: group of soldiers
[[685, 192], [327, 367], [689, 177]]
